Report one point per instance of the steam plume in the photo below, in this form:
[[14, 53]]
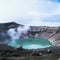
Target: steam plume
[[16, 33]]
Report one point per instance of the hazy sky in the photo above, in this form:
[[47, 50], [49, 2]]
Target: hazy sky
[[31, 12]]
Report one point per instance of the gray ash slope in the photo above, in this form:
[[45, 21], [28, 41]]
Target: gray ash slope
[[50, 33]]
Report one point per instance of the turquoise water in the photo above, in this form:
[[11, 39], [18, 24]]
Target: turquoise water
[[31, 43]]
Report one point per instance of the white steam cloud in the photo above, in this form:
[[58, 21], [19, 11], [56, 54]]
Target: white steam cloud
[[16, 33]]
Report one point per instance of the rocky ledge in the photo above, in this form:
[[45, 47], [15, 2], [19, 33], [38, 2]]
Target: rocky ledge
[[10, 53]]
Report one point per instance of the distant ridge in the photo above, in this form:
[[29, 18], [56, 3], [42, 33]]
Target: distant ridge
[[9, 25]]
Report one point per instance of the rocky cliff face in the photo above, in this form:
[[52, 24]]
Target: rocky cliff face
[[50, 33], [13, 30]]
